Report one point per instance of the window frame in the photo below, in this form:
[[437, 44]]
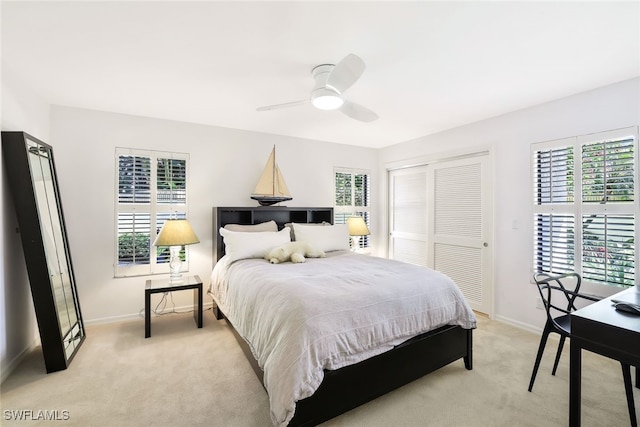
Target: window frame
[[578, 208], [353, 209], [154, 209]]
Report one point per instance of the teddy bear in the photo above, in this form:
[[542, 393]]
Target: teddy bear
[[294, 251]]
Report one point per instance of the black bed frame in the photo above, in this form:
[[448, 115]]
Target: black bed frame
[[351, 386]]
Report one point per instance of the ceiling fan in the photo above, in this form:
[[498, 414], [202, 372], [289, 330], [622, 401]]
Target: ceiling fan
[[331, 81]]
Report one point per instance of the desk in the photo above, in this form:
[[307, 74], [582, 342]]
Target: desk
[[602, 329], [165, 285]]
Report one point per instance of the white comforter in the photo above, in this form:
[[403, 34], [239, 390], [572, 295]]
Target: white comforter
[[300, 319]]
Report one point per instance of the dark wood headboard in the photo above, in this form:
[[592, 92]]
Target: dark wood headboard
[[257, 214]]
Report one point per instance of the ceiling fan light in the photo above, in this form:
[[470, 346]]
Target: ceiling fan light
[[328, 102], [325, 99]]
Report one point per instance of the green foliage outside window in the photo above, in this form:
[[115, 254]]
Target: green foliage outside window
[[135, 248], [343, 189]]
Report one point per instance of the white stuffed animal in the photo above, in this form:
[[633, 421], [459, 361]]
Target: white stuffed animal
[[294, 251]]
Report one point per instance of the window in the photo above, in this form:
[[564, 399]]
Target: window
[[151, 188], [352, 197], [586, 206]]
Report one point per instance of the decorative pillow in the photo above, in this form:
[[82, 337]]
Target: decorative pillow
[[241, 245], [290, 225], [327, 238], [263, 226]]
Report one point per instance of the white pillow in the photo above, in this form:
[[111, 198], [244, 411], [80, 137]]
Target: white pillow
[[241, 245], [327, 238], [290, 226]]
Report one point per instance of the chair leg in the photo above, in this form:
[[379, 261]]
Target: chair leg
[[558, 354], [543, 342], [628, 386]]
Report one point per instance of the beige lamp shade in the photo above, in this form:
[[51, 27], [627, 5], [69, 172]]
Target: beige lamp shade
[[357, 226], [176, 232]]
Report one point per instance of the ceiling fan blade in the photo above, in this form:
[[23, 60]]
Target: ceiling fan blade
[[358, 112], [285, 105], [346, 72]]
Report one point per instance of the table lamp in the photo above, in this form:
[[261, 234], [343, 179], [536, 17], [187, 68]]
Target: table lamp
[[175, 233], [357, 228]]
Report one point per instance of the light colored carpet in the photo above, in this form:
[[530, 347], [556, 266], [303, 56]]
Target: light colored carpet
[[185, 376]]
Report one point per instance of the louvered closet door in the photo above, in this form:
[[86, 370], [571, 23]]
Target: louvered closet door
[[459, 229], [408, 215]]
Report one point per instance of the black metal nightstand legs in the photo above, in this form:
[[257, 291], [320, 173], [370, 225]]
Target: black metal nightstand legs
[[162, 286]]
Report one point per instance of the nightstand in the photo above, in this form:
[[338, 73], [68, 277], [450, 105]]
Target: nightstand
[[165, 285]]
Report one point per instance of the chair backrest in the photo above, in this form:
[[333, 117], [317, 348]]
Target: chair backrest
[[558, 293]]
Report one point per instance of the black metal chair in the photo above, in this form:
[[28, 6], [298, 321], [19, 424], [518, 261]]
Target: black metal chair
[[565, 289]]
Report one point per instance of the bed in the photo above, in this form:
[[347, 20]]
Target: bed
[[363, 336]]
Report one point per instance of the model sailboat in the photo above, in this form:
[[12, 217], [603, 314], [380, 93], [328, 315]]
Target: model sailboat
[[271, 187]]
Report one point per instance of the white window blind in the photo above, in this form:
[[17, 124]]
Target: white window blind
[[591, 179], [352, 191], [554, 242], [553, 180], [151, 188]]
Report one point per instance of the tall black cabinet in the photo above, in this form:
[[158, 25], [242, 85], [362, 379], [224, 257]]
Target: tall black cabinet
[[31, 175]]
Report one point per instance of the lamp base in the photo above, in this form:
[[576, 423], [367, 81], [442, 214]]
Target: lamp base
[[355, 243], [175, 264]]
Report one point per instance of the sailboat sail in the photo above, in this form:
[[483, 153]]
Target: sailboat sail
[[271, 187]]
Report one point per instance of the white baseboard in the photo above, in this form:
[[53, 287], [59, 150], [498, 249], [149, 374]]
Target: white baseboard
[[138, 315], [11, 366], [112, 319], [518, 324]]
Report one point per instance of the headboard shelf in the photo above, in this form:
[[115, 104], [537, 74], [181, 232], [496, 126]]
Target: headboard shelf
[[257, 214]]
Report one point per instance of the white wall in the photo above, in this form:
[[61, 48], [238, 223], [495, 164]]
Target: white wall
[[22, 110], [225, 165], [510, 137]]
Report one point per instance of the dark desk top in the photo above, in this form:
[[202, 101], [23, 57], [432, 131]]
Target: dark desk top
[[603, 311], [601, 328]]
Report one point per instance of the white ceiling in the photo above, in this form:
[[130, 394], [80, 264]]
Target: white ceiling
[[431, 66]]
